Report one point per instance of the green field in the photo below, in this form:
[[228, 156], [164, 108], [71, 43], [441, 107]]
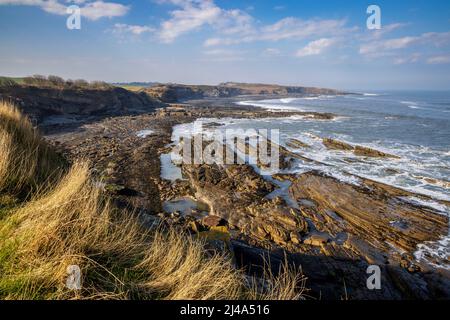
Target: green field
[[131, 87], [10, 80]]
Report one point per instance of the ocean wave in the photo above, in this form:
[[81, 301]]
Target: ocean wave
[[311, 98], [438, 207], [409, 102], [261, 104], [288, 100], [406, 173], [419, 169], [435, 250]]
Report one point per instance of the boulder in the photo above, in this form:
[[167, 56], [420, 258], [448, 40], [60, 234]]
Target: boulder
[[357, 150]]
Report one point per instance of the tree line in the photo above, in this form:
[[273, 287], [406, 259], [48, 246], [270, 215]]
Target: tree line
[[56, 82]]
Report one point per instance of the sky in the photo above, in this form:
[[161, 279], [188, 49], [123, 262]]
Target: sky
[[293, 42]]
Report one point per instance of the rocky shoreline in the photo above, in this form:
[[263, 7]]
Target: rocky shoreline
[[331, 229]]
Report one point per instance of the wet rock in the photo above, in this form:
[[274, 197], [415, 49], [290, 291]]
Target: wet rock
[[317, 239], [295, 237], [294, 143], [437, 182], [336, 144], [368, 214], [368, 152], [213, 221], [357, 150], [391, 171]]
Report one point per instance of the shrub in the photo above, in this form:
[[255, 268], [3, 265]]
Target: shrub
[[7, 82], [56, 81]]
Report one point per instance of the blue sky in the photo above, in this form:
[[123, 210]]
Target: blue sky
[[295, 42]]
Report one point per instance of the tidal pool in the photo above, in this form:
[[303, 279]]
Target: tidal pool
[[186, 206], [169, 171]]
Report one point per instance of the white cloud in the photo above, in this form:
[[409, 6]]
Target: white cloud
[[50, 6], [413, 58], [235, 26], [194, 14], [120, 28], [76, 1], [316, 47], [99, 9], [223, 55], [293, 28], [235, 22], [271, 52], [439, 59], [379, 47], [286, 29], [92, 10], [384, 47], [438, 39], [385, 29], [212, 42]]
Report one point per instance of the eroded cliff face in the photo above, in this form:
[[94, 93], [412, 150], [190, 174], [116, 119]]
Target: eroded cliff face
[[172, 93], [43, 104]]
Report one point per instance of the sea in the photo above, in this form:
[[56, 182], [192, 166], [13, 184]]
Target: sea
[[415, 126]]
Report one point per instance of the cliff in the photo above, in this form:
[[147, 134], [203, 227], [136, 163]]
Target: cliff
[[176, 92], [42, 103]]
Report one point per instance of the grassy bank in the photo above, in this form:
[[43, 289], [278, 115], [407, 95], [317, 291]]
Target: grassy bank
[[53, 215]]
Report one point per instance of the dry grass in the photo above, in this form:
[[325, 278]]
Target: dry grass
[[70, 222], [180, 269], [288, 284], [27, 161]]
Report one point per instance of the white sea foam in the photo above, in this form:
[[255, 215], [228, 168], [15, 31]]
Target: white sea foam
[[435, 250], [144, 133], [269, 106], [311, 98], [169, 171], [288, 100], [342, 176], [408, 172], [437, 206], [409, 102]]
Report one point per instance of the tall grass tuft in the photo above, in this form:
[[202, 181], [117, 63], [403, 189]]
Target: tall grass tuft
[[27, 161]]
